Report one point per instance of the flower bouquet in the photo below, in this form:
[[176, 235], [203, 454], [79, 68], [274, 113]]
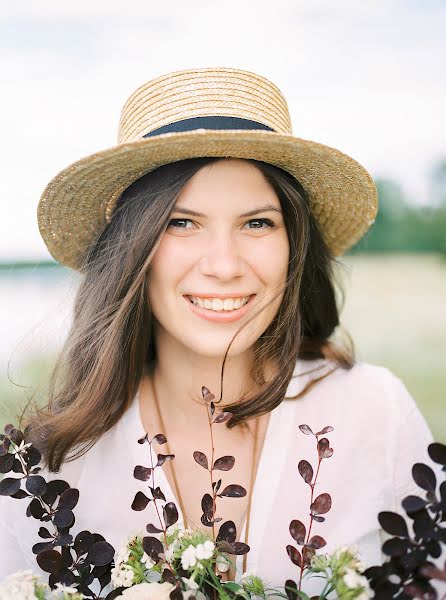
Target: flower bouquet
[[175, 563]]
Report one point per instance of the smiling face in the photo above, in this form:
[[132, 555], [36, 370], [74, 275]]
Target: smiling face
[[221, 254]]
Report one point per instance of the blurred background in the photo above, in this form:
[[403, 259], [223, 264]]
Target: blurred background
[[363, 77]]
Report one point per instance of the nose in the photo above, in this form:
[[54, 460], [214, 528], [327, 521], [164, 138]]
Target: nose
[[221, 258]]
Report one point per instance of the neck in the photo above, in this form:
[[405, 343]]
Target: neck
[[180, 374]]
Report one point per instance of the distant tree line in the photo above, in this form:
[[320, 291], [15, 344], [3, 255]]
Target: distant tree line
[[404, 227]]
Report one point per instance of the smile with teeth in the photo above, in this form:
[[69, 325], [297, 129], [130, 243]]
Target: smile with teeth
[[219, 304]]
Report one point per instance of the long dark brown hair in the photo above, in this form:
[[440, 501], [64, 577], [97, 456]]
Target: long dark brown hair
[[111, 343]]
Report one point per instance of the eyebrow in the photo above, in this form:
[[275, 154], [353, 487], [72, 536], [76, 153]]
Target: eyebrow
[[266, 208]]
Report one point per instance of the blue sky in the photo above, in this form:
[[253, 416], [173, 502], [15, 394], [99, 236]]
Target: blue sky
[[365, 77]]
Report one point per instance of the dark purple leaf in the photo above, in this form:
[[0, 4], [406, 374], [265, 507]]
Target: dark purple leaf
[[423, 526], [318, 518], [305, 470], [239, 548], [206, 522], [8, 428], [176, 594], [17, 466], [291, 589], [32, 456], [64, 517], [316, 542], [310, 552], [170, 513], [424, 477], [142, 473], [207, 395], [9, 486], [152, 547], [322, 504], [36, 485], [42, 547], [434, 548], [168, 576], [143, 439], [64, 576], [223, 417], [437, 452], [305, 429], [69, 498], [16, 436], [101, 553], [162, 458], [140, 501], [82, 542], [324, 449], [35, 509], [298, 531], [157, 494], [227, 532], [44, 533], [224, 463], [325, 430], [201, 459], [160, 439], [207, 506], [20, 494], [6, 462], [4, 446], [65, 539], [152, 529], [49, 561], [233, 491], [413, 504], [393, 523], [54, 489], [295, 555]]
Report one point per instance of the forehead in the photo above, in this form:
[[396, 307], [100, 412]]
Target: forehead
[[227, 183]]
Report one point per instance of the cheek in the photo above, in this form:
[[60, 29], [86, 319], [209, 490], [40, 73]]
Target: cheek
[[272, 260]]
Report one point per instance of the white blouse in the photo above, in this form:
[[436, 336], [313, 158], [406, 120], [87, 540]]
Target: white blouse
[[379, 433]]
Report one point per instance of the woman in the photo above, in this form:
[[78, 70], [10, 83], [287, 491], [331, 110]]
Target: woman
[[207, 241]]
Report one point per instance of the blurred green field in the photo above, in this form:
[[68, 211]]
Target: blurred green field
[[395, 311]]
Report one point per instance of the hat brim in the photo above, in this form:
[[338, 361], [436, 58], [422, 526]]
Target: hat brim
[[75, 205]]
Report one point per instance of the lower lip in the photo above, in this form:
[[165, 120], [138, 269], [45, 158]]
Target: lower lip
[[225, 316]]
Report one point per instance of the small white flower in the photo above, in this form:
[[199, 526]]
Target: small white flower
[[122, 576], [20, 585], [191, 584], [184, 532], [204, 551], [353, 580], [222, 563], [148, 591], [188, 558], [173, 547]]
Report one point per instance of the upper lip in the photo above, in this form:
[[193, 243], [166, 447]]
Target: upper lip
[[237, 295]]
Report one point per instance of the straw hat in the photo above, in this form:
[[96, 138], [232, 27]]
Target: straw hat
[[219, 112]]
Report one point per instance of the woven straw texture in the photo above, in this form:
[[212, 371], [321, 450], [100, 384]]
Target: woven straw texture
[[76, 205]]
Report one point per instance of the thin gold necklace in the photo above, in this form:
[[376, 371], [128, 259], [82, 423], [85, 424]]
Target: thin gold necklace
[[177, 489]]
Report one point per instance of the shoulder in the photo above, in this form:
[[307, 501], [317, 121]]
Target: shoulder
[[368, 388]]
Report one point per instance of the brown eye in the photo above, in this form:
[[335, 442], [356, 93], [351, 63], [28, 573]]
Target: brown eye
[[268, 222], [174, 223]]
